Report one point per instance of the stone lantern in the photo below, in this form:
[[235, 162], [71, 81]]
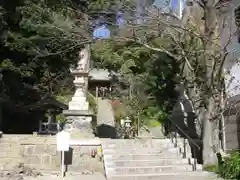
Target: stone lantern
[[78, 116], [127, 122]]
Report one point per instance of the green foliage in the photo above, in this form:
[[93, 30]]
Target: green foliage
[[36, 49], [92, 102], [227, 168], [39, 41], [64, 98], [60, 118], [120, 114], [2, 21], [146, 79], [153, 114], [46, 32], [230, 169], [211, 168], [153, 123]]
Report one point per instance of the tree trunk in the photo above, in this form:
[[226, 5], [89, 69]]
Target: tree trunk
[[208, 133], [210, 30]]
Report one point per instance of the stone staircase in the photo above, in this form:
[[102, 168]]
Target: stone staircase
[[153, 159]]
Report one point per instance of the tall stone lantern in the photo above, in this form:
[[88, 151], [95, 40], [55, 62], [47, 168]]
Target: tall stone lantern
[[78, 116]]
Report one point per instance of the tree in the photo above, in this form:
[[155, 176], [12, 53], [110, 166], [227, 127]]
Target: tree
[[39, 41], [194, 43]]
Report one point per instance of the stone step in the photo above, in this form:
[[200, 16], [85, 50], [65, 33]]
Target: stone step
[[115, 157], [151, 169], [140, 150], [167, 151], [135, 141], [142, 163], [166, 176], [136, 146]]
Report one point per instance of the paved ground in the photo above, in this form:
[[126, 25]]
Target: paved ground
[[25, 173], [68, 177], [57, 177]]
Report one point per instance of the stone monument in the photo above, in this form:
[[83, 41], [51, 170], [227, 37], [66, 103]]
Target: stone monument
[[79, 118]]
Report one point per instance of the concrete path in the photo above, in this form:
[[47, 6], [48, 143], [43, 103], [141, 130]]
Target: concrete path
[[105, 120], [155, 132]]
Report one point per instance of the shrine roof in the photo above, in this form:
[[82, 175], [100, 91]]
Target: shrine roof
[[47, 102], [101, 75]]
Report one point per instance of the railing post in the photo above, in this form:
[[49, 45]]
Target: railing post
[[171, 137], [194, 160], [184, 148], [175, 134]]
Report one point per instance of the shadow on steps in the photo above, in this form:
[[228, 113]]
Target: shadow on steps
[[106, 131]]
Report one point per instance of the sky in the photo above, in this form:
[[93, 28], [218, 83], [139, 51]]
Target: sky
[[103, 32], [174, 3], [164, 3]]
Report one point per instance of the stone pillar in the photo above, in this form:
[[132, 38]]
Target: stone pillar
[[79, 119]]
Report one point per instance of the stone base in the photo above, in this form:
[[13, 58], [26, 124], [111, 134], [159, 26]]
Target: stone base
[[79, 126]]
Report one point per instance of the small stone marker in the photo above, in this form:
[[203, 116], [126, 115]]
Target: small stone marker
[[63, 139]]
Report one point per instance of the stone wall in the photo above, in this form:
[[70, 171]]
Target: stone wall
[[41, 153], [232, 124], [232, 132]]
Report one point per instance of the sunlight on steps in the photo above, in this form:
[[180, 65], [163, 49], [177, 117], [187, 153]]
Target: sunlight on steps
[[155, 159]]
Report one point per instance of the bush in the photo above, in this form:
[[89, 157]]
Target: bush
[[210, 168], [92, 102], [60, 118], [230, 168]]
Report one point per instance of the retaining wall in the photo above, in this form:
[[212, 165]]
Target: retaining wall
[[41, 153]]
